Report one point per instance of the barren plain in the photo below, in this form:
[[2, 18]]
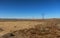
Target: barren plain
[[39, 28]]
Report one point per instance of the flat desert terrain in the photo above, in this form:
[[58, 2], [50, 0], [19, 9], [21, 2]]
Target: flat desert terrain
[[46, 28]]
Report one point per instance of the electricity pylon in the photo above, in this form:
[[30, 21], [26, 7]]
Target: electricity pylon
[[43, 16]]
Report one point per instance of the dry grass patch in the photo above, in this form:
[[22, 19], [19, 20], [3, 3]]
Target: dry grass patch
[[39, 31]]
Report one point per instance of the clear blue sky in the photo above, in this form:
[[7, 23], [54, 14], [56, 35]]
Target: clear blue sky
[[29, 8]]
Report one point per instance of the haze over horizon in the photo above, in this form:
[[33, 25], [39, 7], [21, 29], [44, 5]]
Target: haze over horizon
[[29, 8]]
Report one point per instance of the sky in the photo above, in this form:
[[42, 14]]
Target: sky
[[29, 8]]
